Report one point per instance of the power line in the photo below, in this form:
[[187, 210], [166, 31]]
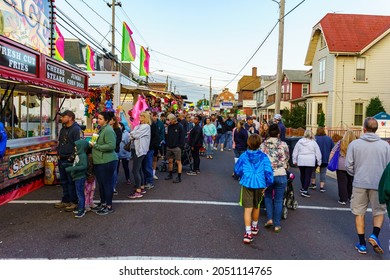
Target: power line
[[262, 43]]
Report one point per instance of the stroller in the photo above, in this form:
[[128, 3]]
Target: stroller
[[186, 159], [289, 201]]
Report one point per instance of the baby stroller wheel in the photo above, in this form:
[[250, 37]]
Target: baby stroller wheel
[[289, 203], [295, 205], [284, 212]]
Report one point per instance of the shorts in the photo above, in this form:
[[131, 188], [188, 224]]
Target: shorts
[[174, 153], [251, 198], [360, 199]]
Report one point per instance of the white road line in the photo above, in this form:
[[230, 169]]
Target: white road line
[[217, 203]]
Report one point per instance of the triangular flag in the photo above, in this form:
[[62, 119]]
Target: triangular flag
[[59, 45], [144, 62], [128, 46], [90, 59]]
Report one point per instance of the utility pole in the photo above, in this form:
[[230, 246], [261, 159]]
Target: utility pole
[[210, 94], [281, 4], [112, 6]]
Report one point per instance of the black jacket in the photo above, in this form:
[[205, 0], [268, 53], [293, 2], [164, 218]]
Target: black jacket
[[66, 140], [175, 136], [118, 133], [154, 137], [196, 137]]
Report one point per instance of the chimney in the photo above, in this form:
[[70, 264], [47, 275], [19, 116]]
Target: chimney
[[254, 71]]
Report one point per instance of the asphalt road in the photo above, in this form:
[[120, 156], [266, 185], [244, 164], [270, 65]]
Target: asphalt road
[[198, 218]]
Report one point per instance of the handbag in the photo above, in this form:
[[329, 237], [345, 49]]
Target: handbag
[[127, 146], [333, 164]]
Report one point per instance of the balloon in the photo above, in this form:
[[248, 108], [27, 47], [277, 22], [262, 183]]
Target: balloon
[[175, 106]]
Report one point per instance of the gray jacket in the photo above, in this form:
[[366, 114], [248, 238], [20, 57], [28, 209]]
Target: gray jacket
[[366, 159]]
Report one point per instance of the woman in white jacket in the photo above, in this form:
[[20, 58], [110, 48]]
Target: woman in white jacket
[[141, 137], [306, 155]]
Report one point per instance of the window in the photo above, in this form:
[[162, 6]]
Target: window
[[319, 111], [358, 114], [27, 116], [321, 79], [361, 69], [305, 89]]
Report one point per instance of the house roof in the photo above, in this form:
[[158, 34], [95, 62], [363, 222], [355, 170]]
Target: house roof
[[248, 83], [298, 76], [348, 33]]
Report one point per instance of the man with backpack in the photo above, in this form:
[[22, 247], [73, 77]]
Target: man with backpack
[[229, 125]]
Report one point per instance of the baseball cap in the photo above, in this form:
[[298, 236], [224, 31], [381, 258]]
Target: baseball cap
[[68, 113], [171, 117], [278, 117]]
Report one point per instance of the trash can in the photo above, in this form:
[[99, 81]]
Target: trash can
[[291, 142], [52, 173]]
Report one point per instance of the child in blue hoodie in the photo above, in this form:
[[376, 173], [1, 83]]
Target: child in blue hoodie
[[255, 172], [79, 174]]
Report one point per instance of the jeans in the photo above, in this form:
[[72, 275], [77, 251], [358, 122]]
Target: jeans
[[209, 146], [305, 174], [274, 199], [125, 165], [147, 168], [137, 170], [196, 158], [80, 185], [104, 177], [228, 140], [67, 183]]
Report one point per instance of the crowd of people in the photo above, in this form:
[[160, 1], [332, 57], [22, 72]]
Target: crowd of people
[[261, 162]]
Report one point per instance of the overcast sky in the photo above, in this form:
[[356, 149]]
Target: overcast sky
[[193, 40]]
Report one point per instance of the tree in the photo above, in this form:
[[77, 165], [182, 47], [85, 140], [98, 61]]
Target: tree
[[201, 103], [374, 107], [296, 117], [321, 120]]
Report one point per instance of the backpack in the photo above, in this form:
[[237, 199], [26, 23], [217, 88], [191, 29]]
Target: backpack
[[219, 128], [229, 123], [3, 140]]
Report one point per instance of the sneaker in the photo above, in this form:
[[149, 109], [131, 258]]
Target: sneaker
[[135, 195], [342, 202], [76, 210], [149, 186], [322, 190], [313, 186], [105, 211], [87, 209], [71, 207], [305, 194], [221, 150], [255, 230], [169, 177], [248, 238], [197, 171], [97, 207], [301, 190], [143, 191], [115, 192], [177, 180], [155, 177], [60, 205], [362, 249], [192, 173], [80, 214], [215, 148], [374, 241]]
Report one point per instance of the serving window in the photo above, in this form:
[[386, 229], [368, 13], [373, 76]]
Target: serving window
[[26, 115]]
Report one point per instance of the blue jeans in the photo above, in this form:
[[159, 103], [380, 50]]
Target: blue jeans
[[228, 140], [274, 199], [67, 183], [80, 183], [104, 176], [147, 168]]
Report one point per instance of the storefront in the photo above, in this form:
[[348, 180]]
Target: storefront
[[32, 89]]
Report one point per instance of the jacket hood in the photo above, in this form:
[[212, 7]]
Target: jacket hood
[[82, 146], [370, 137], [254, 156], [305, 141]]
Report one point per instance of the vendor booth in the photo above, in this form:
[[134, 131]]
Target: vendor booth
[[383, 125], [32, 89]]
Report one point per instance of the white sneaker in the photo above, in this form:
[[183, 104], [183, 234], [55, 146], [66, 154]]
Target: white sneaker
[[155, 177], [215, 148]]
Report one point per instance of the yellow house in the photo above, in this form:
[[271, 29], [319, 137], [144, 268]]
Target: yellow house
[[350, 59]]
